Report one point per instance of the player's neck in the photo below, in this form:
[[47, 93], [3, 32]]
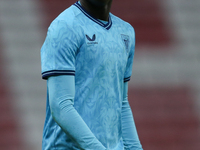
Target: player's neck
[[97, 11]]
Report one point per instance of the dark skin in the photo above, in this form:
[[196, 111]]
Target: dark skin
[[97, 8]]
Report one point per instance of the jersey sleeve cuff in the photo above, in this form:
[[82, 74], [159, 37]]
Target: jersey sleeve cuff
[[47, 74], [127, 79]]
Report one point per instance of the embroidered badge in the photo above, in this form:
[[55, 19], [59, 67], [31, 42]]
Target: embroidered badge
[[91, 40], [125, 39]]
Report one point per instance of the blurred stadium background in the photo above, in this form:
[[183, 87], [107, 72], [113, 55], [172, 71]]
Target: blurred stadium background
[[164, 90]]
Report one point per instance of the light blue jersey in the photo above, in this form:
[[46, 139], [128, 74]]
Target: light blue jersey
[[100, 56]]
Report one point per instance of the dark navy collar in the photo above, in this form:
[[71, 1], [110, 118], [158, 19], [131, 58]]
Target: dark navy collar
[[107, 25]]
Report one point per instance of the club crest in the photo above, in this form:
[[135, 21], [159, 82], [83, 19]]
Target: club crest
[[125, 39]]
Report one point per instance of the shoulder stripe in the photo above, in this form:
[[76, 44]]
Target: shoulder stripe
[[47, 74]]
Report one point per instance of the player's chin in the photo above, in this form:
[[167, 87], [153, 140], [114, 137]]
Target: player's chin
[[100, 3]]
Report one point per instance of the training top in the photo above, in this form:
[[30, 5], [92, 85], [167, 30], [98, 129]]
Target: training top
[[100, 56]]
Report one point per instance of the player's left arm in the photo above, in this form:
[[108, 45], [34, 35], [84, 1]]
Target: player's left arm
[[129, 133]]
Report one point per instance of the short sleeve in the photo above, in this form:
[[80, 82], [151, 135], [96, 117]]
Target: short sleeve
[[58, 52], [128, 71]]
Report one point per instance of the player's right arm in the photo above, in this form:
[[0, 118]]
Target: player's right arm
[[58, 55], [61, 98]]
